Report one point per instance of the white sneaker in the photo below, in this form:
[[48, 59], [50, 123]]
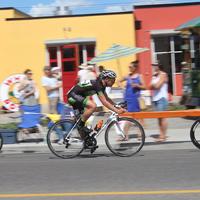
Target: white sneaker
[[60, 142]]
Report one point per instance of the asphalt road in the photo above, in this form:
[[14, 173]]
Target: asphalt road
[[161, 174]]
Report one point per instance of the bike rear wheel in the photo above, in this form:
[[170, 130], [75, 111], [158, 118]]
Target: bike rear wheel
[[1, 141], [117, 133], [64, 140], [195, 133]]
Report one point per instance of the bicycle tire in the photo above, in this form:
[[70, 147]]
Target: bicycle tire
[[133, 145], [71, 147], [195, 133], [1, 142]]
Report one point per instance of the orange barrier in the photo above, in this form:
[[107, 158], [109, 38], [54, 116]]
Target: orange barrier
[[163, 114]]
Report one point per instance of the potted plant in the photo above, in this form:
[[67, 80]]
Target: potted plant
[[9, 132]]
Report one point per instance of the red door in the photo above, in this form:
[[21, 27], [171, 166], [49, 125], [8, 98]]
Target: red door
[[70, 62]]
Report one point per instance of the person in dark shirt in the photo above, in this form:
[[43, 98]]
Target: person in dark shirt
[[79, 97]]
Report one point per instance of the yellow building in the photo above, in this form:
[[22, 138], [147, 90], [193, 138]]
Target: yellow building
[[64, 41]]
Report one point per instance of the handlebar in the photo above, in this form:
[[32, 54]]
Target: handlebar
[[122, 104]]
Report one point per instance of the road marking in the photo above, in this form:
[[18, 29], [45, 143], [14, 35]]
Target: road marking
[[70, 194]]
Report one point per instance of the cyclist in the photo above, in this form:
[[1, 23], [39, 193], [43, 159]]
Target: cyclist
[[80, 98]]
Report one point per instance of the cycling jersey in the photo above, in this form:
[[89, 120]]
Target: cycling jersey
[[80, 93]]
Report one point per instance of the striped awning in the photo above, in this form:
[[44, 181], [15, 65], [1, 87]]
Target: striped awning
[[117, 51], [194, 23]]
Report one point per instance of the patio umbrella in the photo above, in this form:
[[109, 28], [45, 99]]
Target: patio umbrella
[[194, 23], [116, 51]]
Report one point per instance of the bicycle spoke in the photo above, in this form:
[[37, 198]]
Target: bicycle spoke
[[125, 137], [64, 140]]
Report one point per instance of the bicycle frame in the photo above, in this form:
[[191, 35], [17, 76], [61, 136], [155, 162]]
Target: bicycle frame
[[113, 117], [116, 135]]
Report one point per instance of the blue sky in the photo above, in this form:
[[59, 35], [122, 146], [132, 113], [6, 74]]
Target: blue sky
[[47, 7]]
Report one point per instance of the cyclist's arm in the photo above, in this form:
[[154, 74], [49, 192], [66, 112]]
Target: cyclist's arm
[[108, 98], [106, 103]]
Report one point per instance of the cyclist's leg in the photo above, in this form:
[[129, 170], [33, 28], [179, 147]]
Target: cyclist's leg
[[89, 109]]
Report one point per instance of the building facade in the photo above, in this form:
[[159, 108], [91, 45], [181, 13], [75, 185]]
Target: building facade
[[68, 41], [63, 41], [155, 29]]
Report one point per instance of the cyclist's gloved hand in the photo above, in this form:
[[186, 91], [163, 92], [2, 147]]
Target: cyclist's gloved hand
[[121, 110]]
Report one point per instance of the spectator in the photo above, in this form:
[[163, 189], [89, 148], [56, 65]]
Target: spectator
[[86, 72], [27, 90], [56, 73], [28, 93], [52, 85], [159, 86], [134, 84]]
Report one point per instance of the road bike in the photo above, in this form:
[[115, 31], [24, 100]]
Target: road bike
[[116, 129], [1, 141], [195, 133]]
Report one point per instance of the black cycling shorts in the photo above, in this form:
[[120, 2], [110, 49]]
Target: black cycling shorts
[[77, 101]]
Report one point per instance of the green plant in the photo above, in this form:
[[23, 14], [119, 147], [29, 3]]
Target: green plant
[[176, 107], [44, 122], [11, 125]]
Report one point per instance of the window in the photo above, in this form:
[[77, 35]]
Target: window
[[81, 59], [178, 43], [68, 53], [90, 51], [178, 60], [53, 56], [168, 50], [69, 66], [86, 51], [162, 44]]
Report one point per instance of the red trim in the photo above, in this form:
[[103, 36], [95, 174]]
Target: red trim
[[69, 77]]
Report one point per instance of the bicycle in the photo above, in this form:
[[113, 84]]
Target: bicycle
[[1, 142], [195, 133], [114, 128]]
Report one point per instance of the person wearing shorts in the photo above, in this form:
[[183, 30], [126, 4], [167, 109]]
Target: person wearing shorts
[[80, 98], [159, 86]]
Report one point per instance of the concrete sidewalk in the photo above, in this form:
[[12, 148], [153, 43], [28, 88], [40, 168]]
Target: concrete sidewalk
[[178, 138]]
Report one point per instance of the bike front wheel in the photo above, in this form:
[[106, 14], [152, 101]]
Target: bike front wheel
[[125, 137], [195, 133], [1, 142], [64, 140]]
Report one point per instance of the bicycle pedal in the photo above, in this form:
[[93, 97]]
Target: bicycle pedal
[[94, 149]]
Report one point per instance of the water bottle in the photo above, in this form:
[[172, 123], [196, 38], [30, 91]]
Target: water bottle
[[98, 125]]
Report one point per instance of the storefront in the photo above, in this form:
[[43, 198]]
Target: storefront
[[190, 32], [63, 41], [155, 28]]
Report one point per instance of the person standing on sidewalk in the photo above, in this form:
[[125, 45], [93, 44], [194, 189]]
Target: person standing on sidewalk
[[52, 85], [134, 84], [159, 87], [27, 89]]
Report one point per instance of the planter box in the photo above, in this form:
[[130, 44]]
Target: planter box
[[9, 136]]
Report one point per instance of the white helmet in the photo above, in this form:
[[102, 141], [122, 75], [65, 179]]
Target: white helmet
[[108, 74]]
